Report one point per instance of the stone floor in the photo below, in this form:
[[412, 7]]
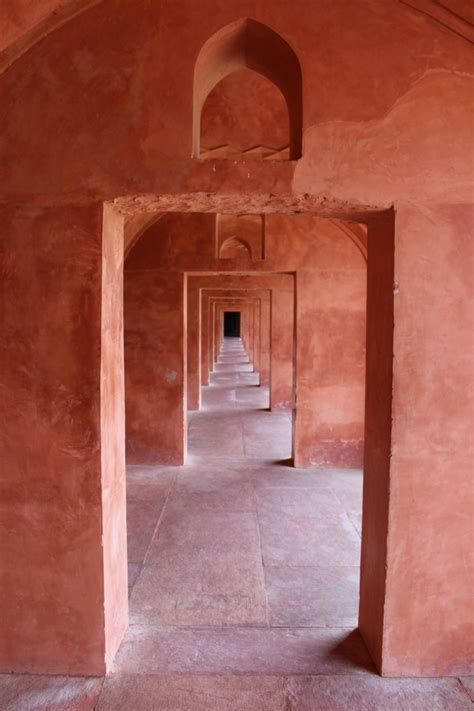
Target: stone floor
[[243, 576]]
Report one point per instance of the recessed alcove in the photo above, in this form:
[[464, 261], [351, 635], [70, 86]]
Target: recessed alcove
[[234, 111], [240, 237], [245, 117], [235, 248]]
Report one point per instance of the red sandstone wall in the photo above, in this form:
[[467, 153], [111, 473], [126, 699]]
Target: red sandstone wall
[[194, 351], [112, 404], [430, 519], [265, 342], [281, 348], [154, 367], [378, 419], [330, 337], [52, 592]]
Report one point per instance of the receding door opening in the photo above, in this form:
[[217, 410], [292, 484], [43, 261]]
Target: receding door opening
[[232, 324], [298, 321]]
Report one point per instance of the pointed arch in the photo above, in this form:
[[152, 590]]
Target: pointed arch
[[235, 248], [247, 43]]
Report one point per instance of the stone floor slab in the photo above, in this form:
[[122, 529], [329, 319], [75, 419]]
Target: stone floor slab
[[25, 692], [196, 592], [195, 693], [206, 535], [298, 541], [149, 483], [157, 650], [322, 506], [372, 693], [311, 597]]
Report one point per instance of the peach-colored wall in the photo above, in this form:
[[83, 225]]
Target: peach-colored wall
[[377, 433], [154, 367], [112, 417], [430, 506], [194, 355], [265, 342], [205, 324], [52, 592], [330, 372], [281, 347]]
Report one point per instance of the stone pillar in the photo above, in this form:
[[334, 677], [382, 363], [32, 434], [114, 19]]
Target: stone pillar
[[328, 424], [64, 582], [217, 330], [194, 355], [205, 337], [212, 336], [247, 329], [281, 338], [155, 366], [250, 340], [417, 557], [256, 335], [265, 342]]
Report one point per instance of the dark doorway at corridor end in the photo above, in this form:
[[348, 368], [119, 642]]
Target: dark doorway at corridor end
[[232, 324]]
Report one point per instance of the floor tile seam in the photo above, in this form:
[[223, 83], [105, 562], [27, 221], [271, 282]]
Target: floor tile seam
[[235, 627], [336, 566], [264, 675], [286, 488], [161, 560], [256, 460], [142, 562], [242, 433], [320, 567], [155, 530], [463, 688], [96, 702], [267, 606], [140, 466], [305, 518], [196, 509], [346, 512], [155, 627], [360, 673], [317, 524]]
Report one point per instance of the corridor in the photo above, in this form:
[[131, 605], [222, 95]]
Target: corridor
[[236, 539]]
